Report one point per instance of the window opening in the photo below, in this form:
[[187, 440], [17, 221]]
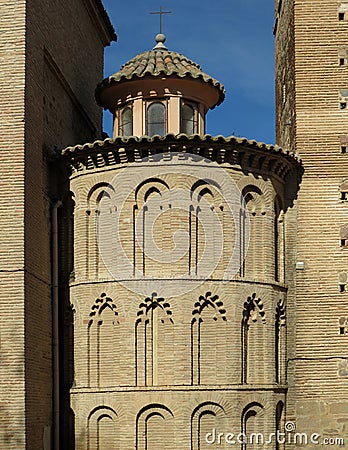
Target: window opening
[[156, 119], [188, 119], [126, 125]]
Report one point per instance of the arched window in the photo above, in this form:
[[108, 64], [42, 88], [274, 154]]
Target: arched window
[[252, 250], [253, 419], [280, 342], [204, 419], [156, 119], [154, 337], [126, 122], [154, 424], [102, 429], [209, 331], [102, 340], [188, 119], [252, 339]]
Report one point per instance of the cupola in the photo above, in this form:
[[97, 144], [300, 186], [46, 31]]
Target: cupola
[[159, 92]]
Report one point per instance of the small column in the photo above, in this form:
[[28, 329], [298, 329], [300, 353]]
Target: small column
[[138, 117], [174, 115]]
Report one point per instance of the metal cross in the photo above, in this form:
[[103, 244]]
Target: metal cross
[[161, 12]]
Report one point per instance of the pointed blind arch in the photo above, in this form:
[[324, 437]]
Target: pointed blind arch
[[253, 319], [154, 341], [102, 342], [209, 331]]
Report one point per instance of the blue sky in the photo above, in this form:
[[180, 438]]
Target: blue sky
[[232, 40]]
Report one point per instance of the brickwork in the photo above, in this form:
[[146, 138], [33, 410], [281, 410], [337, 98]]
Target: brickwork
[[159, 370], [12, 367], [315, 86], [173, 416], [40, 77], [170, 368]]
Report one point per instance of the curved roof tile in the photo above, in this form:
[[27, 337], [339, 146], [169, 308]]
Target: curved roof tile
[[219, 139], [156, 63]]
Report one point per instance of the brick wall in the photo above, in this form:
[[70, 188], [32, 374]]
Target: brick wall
[[51, 60], [12, 386], [176, 362], [317, 388]]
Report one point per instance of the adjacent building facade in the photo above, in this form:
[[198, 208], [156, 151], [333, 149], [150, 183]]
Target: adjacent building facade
[[311, 86], [46, 103]]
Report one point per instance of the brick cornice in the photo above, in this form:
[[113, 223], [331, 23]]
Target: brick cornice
[[250, 156]]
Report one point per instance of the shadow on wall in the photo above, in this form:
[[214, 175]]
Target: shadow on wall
[[66, 320]]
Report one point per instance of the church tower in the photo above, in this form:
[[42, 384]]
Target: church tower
[[178, 295], [312, 119]]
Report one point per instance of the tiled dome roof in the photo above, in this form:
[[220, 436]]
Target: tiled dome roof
[[158, 62]]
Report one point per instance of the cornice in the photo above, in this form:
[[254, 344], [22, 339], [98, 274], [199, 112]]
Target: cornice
[[251, 156]]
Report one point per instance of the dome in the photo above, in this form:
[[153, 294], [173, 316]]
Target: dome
[[157, 63]]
